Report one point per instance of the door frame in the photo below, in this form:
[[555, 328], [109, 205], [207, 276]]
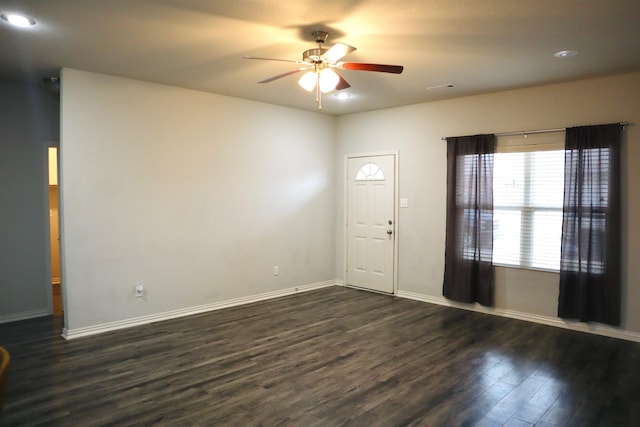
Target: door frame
[[48, 283], [396, 212]]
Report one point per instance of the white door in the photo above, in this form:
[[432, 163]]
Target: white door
[[371, 222]]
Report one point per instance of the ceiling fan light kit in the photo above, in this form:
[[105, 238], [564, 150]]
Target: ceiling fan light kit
[[320, 64], [326, 80], [308, 81]]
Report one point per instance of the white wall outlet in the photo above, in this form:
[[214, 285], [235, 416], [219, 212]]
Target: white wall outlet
[[404, 203], [139, 291], [276, 270]]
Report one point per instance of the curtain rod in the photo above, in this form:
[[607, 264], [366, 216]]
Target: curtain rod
[[532, 132]]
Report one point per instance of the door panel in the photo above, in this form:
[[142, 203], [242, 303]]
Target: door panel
[[371, 222]]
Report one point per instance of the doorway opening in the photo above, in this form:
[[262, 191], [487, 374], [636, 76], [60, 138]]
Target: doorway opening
[[54, 233]]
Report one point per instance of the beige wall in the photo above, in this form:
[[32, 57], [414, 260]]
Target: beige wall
[[198, 196], [195, 195], [53, 233], [416, 132]]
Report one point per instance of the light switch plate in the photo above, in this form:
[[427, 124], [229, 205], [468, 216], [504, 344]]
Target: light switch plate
[[404, 203]]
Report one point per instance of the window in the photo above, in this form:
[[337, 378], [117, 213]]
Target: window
[[469, 210], [528, 189], [370, 172], [593, 219]]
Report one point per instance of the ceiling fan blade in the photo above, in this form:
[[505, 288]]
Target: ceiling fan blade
[[337, 51], [272, 59], [394, 69], [342, 83], [279, 76]]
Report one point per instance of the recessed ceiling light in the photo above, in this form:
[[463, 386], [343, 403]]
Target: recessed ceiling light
[[342, 95], [565, 54], [18, 20]]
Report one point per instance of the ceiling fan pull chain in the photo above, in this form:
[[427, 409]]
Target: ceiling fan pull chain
[[318, 91]]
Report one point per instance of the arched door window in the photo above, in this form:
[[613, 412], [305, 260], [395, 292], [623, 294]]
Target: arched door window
[[370, 172]]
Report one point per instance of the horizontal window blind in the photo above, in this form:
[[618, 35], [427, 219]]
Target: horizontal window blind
[[594, 205], [528, 191], [468, 211]]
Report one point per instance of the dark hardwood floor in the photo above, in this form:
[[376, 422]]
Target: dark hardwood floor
[[330, 357], [57, 299]]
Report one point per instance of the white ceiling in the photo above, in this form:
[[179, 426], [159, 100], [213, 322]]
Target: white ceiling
[[478, 45]]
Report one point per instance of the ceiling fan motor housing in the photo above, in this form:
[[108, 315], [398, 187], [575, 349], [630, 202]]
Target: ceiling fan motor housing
[[314, 56]]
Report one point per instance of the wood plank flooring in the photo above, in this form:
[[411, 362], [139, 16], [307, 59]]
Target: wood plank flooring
[[331, 357], [57, 299]]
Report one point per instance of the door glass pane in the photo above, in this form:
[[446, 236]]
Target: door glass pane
[[370, 171]]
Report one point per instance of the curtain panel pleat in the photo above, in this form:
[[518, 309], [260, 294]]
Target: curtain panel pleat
[[469, 273], [590, 265]]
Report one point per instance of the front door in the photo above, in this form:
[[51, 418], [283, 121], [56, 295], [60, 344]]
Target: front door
[[371, 222]]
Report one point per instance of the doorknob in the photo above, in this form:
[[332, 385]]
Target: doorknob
[[389, 231]]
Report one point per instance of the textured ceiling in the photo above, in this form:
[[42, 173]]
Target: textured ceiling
[[478, 45]]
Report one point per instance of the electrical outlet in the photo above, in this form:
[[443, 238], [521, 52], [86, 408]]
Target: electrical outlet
[[139, 291], [276, 270]]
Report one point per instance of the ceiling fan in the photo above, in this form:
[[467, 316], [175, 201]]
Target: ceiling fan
[[320, 64]]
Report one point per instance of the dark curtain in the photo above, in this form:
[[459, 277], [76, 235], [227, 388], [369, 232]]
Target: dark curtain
[[591, 238], [468, 271]]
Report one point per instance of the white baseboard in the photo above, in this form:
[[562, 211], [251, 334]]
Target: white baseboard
[[6, 318], [152, 318], [597, 329]]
